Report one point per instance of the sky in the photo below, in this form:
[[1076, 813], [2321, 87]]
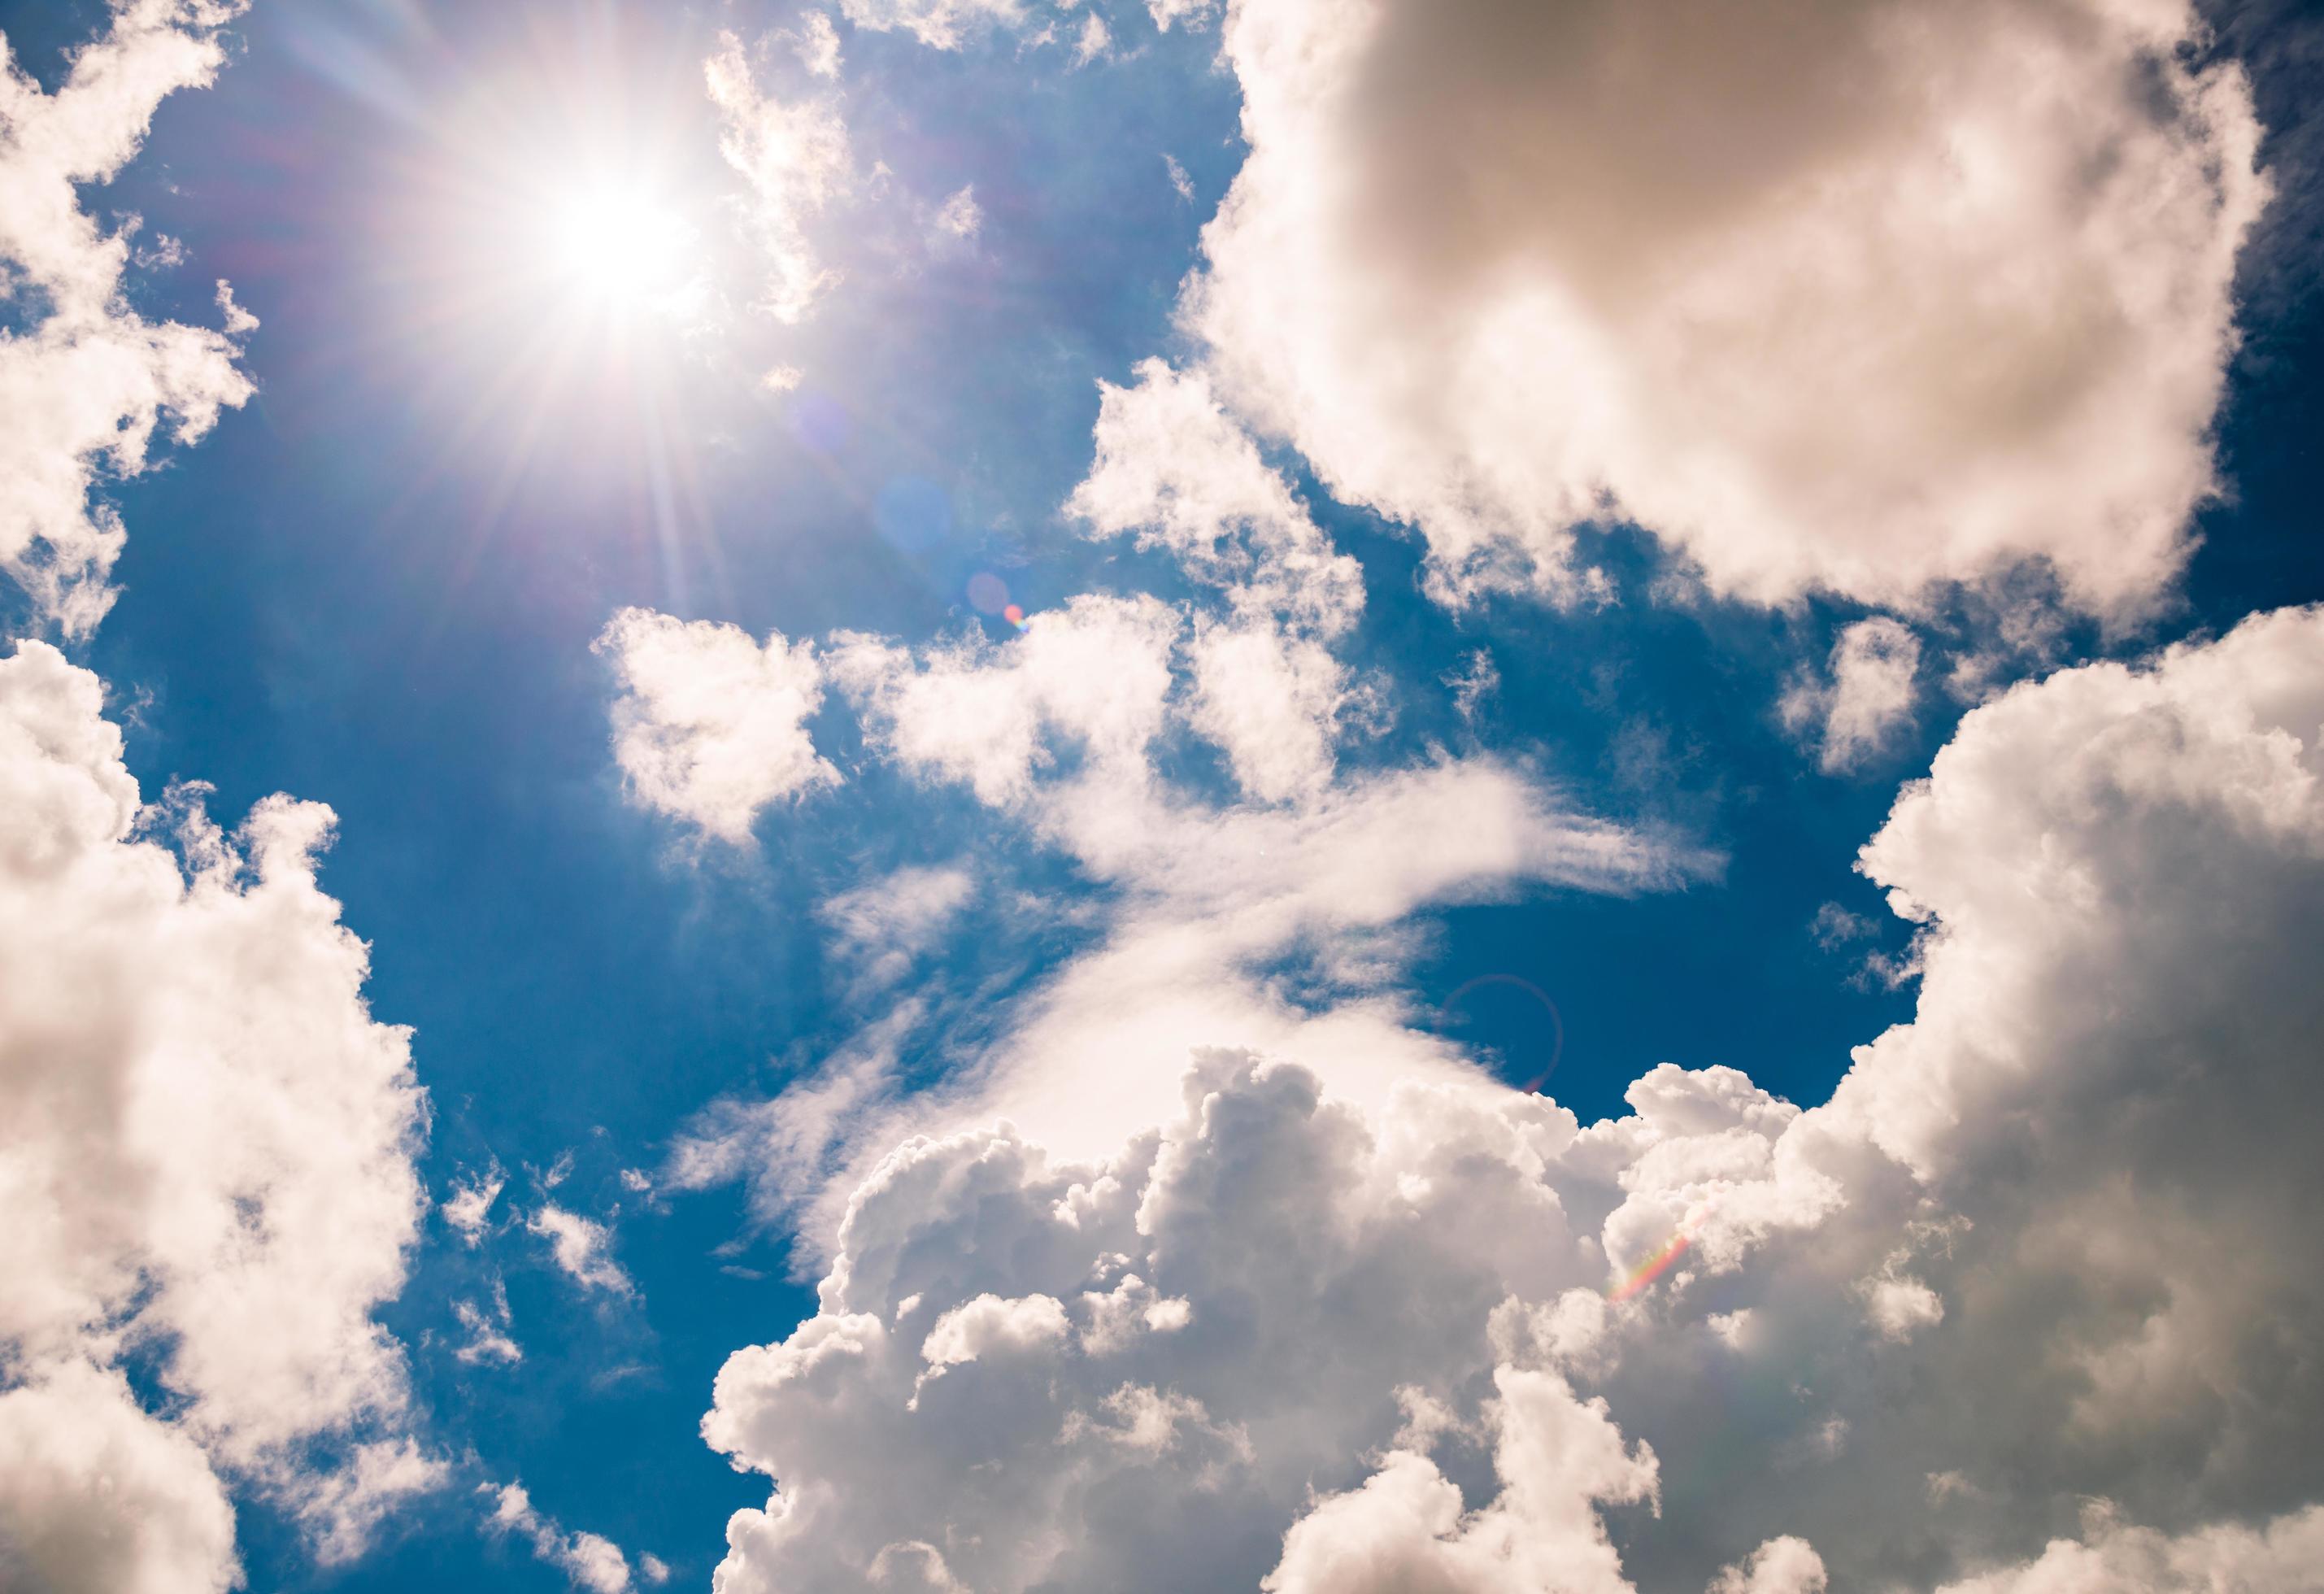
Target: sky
[[1326, 795]]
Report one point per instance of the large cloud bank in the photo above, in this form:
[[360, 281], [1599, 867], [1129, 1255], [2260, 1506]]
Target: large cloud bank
[[206, 1150], [1851, 295], [206, 1141], [2046, 1245]]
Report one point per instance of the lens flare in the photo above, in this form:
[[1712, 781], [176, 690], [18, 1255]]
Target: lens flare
[[1645, 1273]]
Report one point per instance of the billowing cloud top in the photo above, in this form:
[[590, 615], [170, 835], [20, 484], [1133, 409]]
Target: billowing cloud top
[[1854, 296]]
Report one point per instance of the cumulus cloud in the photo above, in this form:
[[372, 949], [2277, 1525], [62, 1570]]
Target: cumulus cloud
[[205, 1145], [86, 382], [1174, 468], [792, 156], [1855, 297], [2279, 1558], [1431, 1333], [1867, 700], [709, 727]]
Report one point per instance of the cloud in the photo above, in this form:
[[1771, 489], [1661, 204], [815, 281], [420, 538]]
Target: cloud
[[2279, 1558], [793, 158], [488, 1335], [86, 382], [710, 727], [1985, 1261], [882, 926], [469, 1209], [96, 1494], [1171, 467], [582, 1248], [1851, 298], [942, 24], [1095, 40], [960, 217], [205, 1142], [347, 1507], [593, 1562], [816, 45], [1868, 700]]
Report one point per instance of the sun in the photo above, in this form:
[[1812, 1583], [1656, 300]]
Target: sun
[[612, 244]]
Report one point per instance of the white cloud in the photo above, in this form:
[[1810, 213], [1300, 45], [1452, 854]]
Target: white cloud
[[941, 24], [1991, 1258], [793, 158], [1095, 40], [1173, 467], [593, 1562], [1182, 183], [1779, 1566], [960, 217], [1856, 298], [2114, 1557], [1868, 700], [488, 1335], [96, 1495], [344, 1509], [1092, 676], [469, 1209], [883, 925], [581, 1247], [206, 1147], [709, 726], [88, 381], [816, 43], [1168, 13]]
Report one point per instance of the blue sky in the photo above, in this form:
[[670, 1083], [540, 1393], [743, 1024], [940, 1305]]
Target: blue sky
[[381, 584]]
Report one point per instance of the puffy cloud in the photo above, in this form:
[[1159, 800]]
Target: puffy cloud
[[581, 1250], [1092, 676], [1779, 1566], [2116, 1558], [1869, 698], [1428, 1333], [792, 156], [710, 727], [1173, 467], [1856, 297], [96, 1494], [86, 381], [206, 1147]]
